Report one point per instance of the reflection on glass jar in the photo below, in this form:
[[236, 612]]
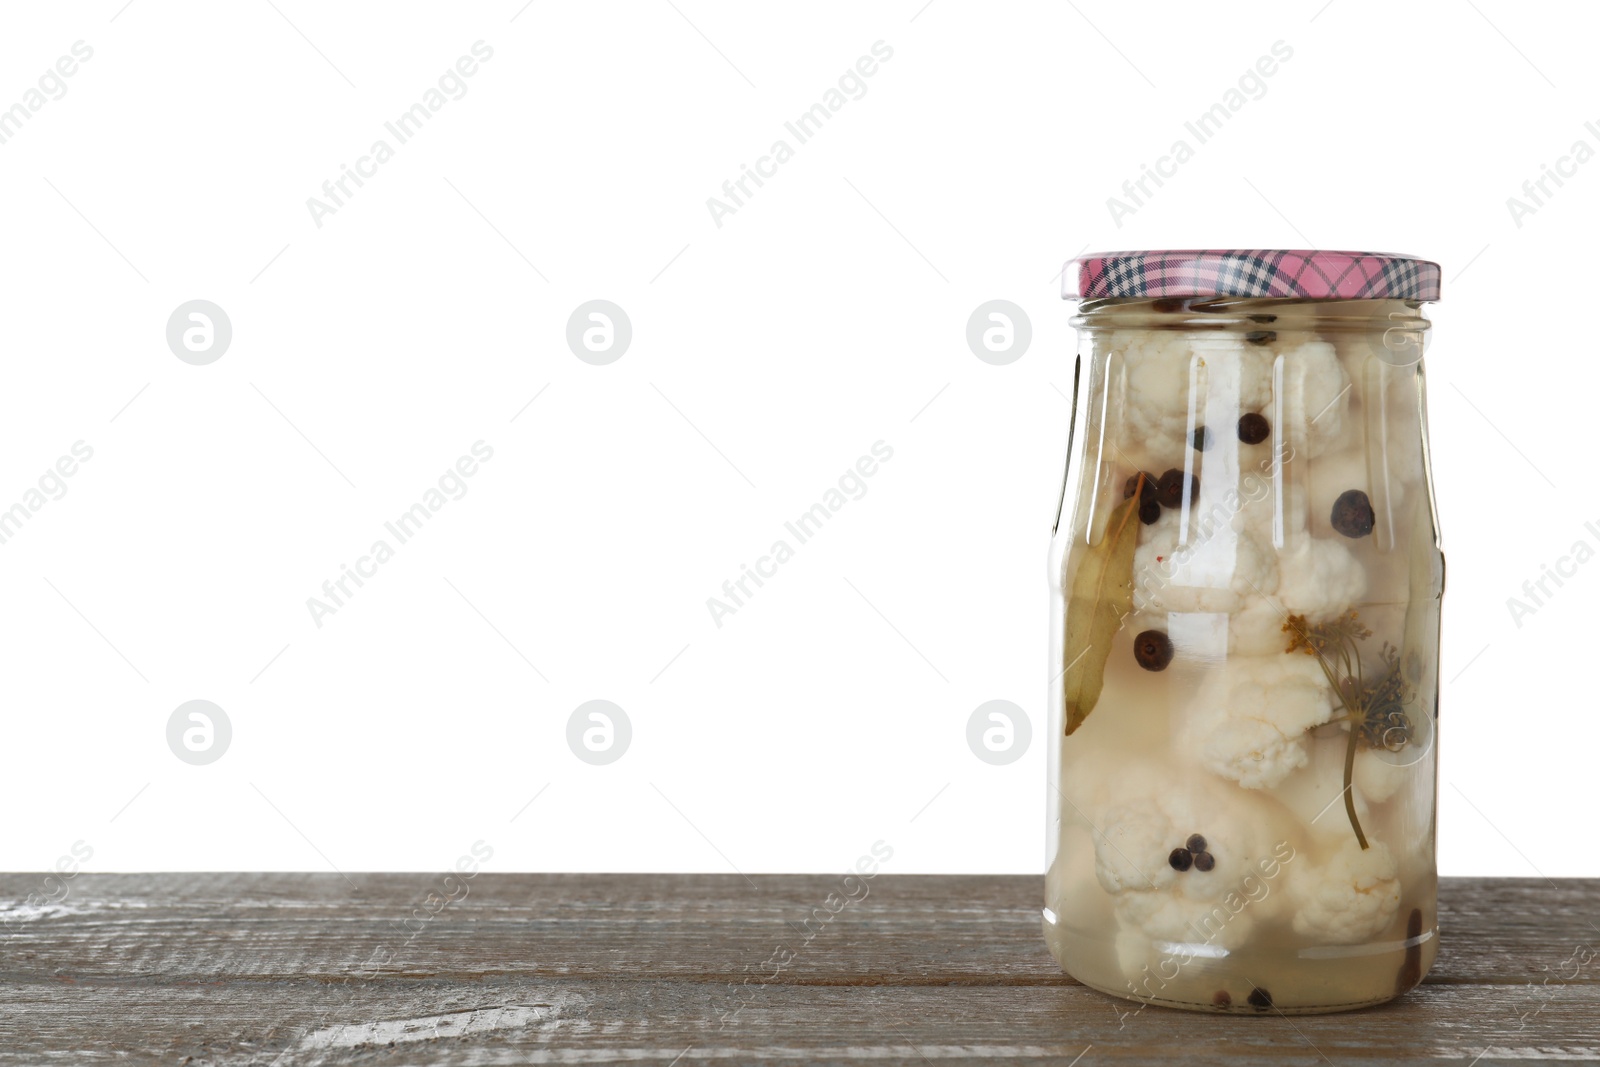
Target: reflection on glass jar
[[1246, 581]]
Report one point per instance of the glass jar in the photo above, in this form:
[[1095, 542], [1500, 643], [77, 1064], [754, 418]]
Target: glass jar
[[1245, 591]]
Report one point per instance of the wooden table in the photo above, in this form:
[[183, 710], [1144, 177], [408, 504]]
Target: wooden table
[[303, 969]]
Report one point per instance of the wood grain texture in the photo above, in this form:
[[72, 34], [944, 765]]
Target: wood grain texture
[[299, 970]]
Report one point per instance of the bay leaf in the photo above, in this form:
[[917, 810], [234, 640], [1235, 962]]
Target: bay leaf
[[1101, 595]]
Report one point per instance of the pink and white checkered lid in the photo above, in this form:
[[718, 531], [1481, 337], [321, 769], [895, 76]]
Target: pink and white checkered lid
[[1236, 272]]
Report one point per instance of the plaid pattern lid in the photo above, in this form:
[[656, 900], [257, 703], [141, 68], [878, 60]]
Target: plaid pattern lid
[[1304, 274]]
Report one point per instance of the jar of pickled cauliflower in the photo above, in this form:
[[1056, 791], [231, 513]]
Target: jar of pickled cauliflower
[[1245, 590]]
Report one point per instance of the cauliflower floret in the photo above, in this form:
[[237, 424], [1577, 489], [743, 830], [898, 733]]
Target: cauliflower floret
[[1218, 573], [1379, 775], [1131, 848], [1234, 379], [1248, 721], [1348, 899], [1156, 807], [1317, 577], [1257, 629], [1316, 397], [1256, 753], [1160, 807], [1163, 365]]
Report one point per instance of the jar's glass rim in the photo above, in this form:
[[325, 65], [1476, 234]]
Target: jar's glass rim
[[1260, 320]]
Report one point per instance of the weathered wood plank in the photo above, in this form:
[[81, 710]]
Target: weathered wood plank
[[234, 969], [515, 1021]]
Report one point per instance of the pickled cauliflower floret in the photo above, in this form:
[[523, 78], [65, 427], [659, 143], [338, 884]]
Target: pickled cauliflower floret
[[1131, 848], [1248, 720], [1163, 366], [1257, 629], [1185, 857], [1165, 829], [1379, 774], [1176, 918], [1316, 398], [1348, 899], [1218, 574], [1317, 577]]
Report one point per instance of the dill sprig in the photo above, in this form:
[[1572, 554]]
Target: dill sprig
[[1375, 710]]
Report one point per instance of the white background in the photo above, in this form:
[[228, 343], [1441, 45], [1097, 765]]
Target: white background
[[768, 354]]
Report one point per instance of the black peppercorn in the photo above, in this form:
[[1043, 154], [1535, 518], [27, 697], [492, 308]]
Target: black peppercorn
[[1180, 859], [1253, 428], [1263, 318], [1352, 514], [1261, 337], [1204, 861], [1149, 512], [1167, 304], [1221, 999], [1196, 843], [1260, 999], [1202, 439], [1146, 491], [1153, 650], [1170, 488]]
